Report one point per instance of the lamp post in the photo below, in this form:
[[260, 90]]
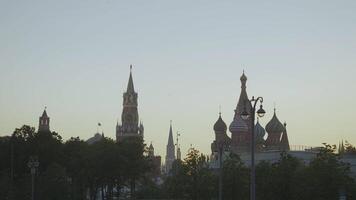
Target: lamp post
[[33, 165], [245, 115]]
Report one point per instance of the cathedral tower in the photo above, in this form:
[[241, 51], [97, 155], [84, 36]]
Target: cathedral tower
[[170, 154], [44, 122], [241, 129], [221, 138], [130, 126]]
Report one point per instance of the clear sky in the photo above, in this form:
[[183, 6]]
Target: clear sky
[[74, 57]]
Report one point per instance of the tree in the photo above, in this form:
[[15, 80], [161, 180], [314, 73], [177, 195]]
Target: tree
[[284, 173], [202, 180], [54, 183], [350, 149], [235, 178], [192, 178], [265, 181], [324, 177], [176, 185], [75, 152], [136, 165]]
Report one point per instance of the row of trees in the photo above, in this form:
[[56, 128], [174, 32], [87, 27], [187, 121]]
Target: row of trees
[[71, 169], [324, 178], [74, 170]]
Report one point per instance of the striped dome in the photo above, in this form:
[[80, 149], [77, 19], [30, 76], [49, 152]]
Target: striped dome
[[259, 130], [274, 126], [238, 125]]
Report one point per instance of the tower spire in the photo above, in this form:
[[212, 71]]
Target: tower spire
[[130, 85], [170, 137], [170, 153], [243, 102]]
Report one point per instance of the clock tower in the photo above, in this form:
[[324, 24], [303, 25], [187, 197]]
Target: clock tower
[[130, 126]]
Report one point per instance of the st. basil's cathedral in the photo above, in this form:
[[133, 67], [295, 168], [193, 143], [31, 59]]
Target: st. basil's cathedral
[[240, 140]]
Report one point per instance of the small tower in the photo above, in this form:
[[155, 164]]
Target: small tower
[[284, 139], [170, 153], [151, 151], [241, 129], [44, 122], [179, 154]]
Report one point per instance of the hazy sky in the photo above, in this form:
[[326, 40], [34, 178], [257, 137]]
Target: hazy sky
[[74, 57]]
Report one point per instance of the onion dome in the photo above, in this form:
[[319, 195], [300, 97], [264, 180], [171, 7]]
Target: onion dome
[[274, 126], [243, 78], [259, 130], [238, 125], [220, 125]]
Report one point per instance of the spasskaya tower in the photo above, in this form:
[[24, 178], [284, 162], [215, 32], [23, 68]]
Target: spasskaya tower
[[130, 126]]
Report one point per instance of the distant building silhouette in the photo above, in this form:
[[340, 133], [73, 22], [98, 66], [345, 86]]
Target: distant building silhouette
[[130, 126], [155, 161], [96, 138], [179, 153], [284, 146], [170, 153], [241, 132], [43, 125]]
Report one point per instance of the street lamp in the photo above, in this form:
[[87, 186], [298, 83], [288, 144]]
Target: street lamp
[[33, 165], [245, 115]]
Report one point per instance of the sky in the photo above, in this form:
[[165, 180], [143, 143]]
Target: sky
[[187, 57]]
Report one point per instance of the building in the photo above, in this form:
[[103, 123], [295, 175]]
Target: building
[[170, 151], [130, 126], [43, 125], [155, 161], [96, 138], [241, 130], [267, 148]]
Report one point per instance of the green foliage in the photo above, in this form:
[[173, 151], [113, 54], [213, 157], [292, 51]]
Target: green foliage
[[54, 183], [349, 148], [323, 178], [72, 170], [191, 178], [326, 175], [235, 178], [277, 181], [68, 170]]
